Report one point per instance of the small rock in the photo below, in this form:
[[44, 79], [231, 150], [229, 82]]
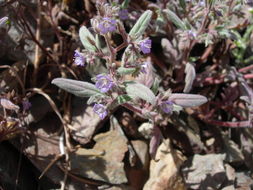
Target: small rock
[[205, 172], [104, 161], [243, 181], [164, 170], [84, 122], [233, 153]]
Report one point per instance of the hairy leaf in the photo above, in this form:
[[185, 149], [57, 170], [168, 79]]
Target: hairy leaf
[[190, 76], [125, 71], [87, 39], [175, 19], [169, 51], [188, 100], [141, 25], [141, 91], [78, 88]]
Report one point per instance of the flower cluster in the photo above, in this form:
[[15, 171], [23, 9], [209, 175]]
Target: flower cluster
[[145, 46], [107, 25], [114, 88], [167, 106], [104, 83]]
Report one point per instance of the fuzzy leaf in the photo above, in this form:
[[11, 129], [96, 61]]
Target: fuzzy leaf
[[169, 51], [141, 25], [78, 88], [87, 39], [125, 71], [175, 19], [188, 100], [190, 76], [141, 91]]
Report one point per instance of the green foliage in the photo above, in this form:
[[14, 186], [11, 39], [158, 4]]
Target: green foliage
[[78, 88], [137, 90], [87, 39], [141, 25]]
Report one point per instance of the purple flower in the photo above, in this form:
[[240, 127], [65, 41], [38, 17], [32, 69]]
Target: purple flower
[[104, 83], [167, 106], [79, 59], [100, 109], [145, 46], [26, 105], [123, 14], [191, 34], [107, 25]]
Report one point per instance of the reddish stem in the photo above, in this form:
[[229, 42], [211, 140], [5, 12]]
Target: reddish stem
[[244, 69], [229, 123], [248, 76]]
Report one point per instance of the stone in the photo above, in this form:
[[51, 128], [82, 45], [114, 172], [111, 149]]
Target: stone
[[164, 170], [104, 161]]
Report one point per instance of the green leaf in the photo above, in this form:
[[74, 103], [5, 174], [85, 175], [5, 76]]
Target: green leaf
[[78, 88], [87, 39], [123, 99], [155, 85], [137, 90], [125, 71], [247, 34], [175, 19], [141, 25], [182, 4], [125, 4]]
